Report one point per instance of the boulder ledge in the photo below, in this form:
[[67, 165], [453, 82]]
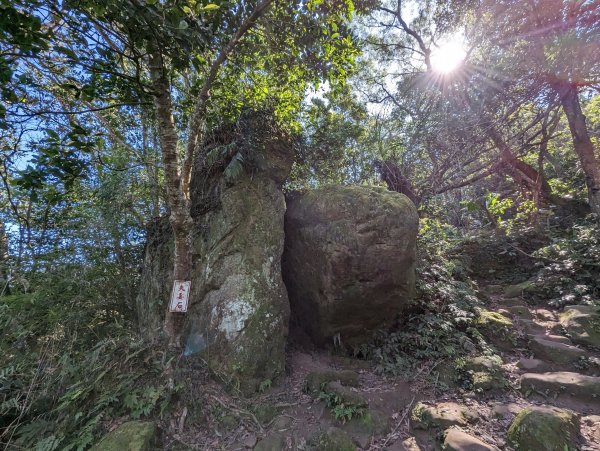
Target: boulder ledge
[[349, 260]]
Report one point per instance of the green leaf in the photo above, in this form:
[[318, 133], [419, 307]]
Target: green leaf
[[210, 7]]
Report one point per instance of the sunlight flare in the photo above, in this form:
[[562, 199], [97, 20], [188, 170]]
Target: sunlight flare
[[448, 57]]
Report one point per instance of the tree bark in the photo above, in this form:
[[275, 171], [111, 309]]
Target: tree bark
[[180, 217], [524, 174], [582, 143], [392, 175]]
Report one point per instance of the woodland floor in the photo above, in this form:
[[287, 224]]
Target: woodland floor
[[288, 418]]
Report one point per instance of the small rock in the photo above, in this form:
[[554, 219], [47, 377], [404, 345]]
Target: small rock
[[520, 312], [442, 415], [582, 323], [410, 444], [575, 384], [591, 420], [545, 315], [505, 410], [544, 429], [130, 436], [555, 352], [272, 442], [457, 440], [532, 365], [372, 423], [531, 327], [315, 379], [346, 395], [333, 440], [513, 291], [282, 423], [250, 441], [264, 413]]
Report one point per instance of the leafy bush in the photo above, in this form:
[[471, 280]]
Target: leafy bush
[[446, 299], [341, 410], [70, 362], [569, 268]]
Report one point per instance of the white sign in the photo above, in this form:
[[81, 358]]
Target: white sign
[[180, 296]]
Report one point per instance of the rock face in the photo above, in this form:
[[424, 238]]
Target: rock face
[[544, 429], [349, 260], [238, 315]]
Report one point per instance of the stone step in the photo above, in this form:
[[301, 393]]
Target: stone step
[[519, 312], [531, 327], [457, 440], [552, 337], [555, 351], [577, 385], [533, 365]]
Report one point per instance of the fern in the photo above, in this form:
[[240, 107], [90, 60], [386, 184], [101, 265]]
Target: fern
[[235, 167]]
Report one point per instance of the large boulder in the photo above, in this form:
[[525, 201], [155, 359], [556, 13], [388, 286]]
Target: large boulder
[[544, 429], [582, 323], [238, 314], [349, 260]]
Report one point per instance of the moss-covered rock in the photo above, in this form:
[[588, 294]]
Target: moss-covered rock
[[272, 442], [315, 380], [345, 395], [371, 423], [482, 373], [130, 436], [497, 329], [513, 291], [333, 440], [349, 260], [544, 429], [442, 415], [238, 314], [266, 412], [582, 323]]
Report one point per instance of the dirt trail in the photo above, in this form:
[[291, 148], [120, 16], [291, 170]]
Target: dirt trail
[[541, 368]]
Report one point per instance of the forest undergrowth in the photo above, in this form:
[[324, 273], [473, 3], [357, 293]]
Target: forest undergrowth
[[73, 365]]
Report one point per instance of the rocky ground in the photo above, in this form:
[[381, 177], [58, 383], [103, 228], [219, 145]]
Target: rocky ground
[[538, 389]]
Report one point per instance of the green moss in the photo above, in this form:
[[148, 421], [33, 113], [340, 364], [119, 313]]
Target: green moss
[[513, 291], [334, 440], [497, 329], [582, 323], [265, 413], [544, 429], [130, 436], [493, 319], [372, 423], [483, 373]]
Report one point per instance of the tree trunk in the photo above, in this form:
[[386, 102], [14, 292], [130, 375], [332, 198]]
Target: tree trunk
[[4, 274], [177, 202], [523, 173], [582, 143], [392, 175]]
